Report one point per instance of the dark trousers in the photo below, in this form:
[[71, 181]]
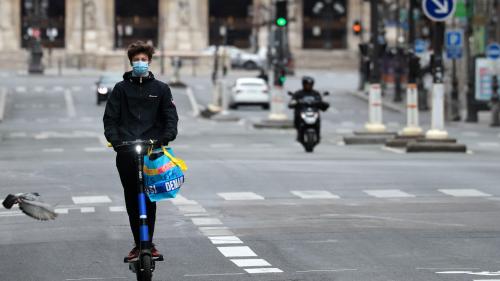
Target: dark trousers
[[127, 168]]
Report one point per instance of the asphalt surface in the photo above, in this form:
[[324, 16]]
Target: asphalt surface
[[254, 206]]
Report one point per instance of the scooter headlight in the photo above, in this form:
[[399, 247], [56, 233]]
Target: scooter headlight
[[138, 149], [102, 90]]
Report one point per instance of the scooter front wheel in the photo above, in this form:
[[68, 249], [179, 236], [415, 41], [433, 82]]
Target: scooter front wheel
[[145, 270]]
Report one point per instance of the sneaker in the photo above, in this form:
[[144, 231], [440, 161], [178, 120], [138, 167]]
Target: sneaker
[[154, 252], [134, 254]]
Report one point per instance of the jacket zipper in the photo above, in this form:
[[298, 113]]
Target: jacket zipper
[[140, 93]]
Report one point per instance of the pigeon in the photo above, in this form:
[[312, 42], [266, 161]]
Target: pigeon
[[31, 204]]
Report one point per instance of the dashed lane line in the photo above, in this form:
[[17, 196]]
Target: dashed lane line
[[217, 240], [464, 193], [314, 194], [388, 193], [240, 196], [91, 199], [236, 251], [70, 105]]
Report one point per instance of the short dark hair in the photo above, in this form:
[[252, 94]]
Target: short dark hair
[[140, 47]]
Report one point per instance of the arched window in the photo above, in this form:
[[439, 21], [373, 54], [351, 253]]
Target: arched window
[[325, 24], [45, 17], [235, 17], [136, 20]]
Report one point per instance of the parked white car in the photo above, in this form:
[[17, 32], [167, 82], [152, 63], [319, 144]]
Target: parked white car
[[250, 91], [240, 58]]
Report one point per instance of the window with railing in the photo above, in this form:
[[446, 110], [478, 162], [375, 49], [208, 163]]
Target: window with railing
[[136, 20], [43, 19]]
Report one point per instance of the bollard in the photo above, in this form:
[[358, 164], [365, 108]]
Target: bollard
[[374, 124], [59, 66], [437, 130], [215, 106], [495, 102], [277, 107], [412, 128]]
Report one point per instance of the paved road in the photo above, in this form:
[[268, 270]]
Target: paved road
[[255, 207]]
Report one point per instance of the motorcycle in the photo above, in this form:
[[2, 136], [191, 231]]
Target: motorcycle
[[309, 122]]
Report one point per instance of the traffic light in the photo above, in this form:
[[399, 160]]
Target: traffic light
[[281, 13], [357, 28], [280, 76]]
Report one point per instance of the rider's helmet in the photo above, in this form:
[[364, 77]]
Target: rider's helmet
[[307, 83]]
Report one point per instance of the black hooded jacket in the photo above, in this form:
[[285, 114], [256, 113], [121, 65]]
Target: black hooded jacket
[[140, 108]]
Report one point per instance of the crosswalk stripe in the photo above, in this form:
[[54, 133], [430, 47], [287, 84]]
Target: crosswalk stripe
[[263, 270], [216, 240], [237, 251], [206, 221], [314, 194], [116, 209], [464, 192], [61, 211], [250, 262], [215, 230], [240, 196], [91, 199], [53, 150], [388, 193], [87, 210]]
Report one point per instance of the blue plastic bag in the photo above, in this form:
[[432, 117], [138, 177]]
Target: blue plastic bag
[[163, 176]]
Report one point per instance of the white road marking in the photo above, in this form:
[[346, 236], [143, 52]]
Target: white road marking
[[393, 150], [91, 199], [240, 196], [117, 209], [87, 210], [488, 144], [61, 211], [18, 135], [470, 134], [213, 274], [20, 106], [192, 100], [190, 209], [39, 89], [96, 278], [215, 230], [53, 150], [314, 194], [42, 120], [70, 105], [11, 213], [261, 145], [327, 270], [180, 200], [221, 145], [76, 88], [237, 251], [58, 89], [250, 262], [94, 149], [217, 240], [206, 221], [263, 270], [21, 89], [464, 192], [388, 193]]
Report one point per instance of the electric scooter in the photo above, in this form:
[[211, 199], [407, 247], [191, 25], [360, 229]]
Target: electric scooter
[[144, 265]]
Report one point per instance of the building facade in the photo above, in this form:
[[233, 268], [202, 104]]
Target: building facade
[[99, 30]]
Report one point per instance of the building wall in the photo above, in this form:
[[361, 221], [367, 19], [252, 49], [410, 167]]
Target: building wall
[[184, 27]]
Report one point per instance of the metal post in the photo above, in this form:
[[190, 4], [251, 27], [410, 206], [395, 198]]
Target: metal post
[[82, 33], [437, 130], [472, 115], [495, 102], [374, 124], [398, 58]]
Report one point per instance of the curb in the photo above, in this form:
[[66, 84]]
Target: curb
[[385, 104], [274, 124], [3, 101], [436, 147]]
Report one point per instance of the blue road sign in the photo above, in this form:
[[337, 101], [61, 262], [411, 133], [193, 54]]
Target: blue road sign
[[420, 46], [438, 10], [493, 51], [454, 44]]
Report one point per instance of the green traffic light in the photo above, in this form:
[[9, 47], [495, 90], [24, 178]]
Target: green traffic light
[[281, 21], [282, 79]]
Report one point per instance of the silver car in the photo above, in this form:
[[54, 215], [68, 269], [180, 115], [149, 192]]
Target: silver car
[[240, 58]]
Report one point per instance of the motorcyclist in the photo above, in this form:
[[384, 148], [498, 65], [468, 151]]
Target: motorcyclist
[[306, 91]]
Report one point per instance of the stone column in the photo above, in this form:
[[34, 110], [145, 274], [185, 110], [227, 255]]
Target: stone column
[[295, 27], [99, 26], [184, 24], [10, 25]]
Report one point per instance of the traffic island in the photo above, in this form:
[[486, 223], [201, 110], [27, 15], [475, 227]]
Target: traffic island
[[274, 124], [365, 137], [225, 116], [401, 141], [436, 145]]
